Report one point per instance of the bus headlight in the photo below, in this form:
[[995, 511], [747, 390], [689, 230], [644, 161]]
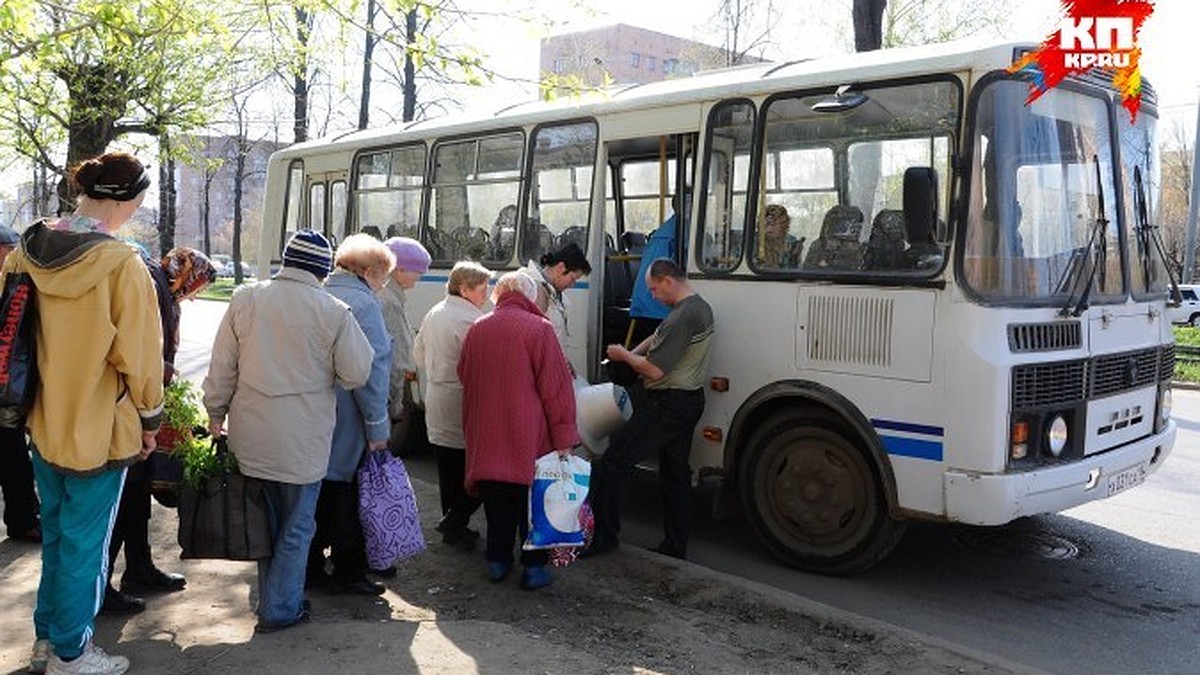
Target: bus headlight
[[1056, 435], [1164, 405]]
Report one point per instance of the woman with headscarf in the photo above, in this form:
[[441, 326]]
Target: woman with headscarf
[[178, 276], [99, 400]]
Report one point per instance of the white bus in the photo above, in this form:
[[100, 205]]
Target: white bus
[[968, 325]]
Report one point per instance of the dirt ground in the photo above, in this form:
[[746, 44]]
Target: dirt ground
[[629, 612]]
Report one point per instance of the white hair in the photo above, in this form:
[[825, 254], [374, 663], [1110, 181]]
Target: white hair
[[515, 281]]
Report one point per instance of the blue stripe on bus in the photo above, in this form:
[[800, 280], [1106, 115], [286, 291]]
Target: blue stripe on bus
[[909, 427], [443, 278], [911, 447]]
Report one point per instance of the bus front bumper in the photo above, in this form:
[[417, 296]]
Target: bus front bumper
[[989, 499]]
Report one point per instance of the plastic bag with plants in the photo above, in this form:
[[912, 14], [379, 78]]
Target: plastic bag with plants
[[184, 436]]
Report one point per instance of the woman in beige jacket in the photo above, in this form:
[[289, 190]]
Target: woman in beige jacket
[[435, 354]]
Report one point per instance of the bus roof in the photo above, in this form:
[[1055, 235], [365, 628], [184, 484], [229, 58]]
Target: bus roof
[[751, 80]]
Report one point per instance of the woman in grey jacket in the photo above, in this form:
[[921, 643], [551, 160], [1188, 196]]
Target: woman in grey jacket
[[281, 351], [363, 264]]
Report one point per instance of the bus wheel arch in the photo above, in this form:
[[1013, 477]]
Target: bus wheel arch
[[814, 481]]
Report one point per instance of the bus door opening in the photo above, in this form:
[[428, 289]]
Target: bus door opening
[[651, 179]]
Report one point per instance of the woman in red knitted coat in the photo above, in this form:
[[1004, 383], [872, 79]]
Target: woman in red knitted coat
[[518, 404]]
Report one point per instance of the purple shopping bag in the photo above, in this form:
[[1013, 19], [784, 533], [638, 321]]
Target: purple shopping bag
[[387, 508]]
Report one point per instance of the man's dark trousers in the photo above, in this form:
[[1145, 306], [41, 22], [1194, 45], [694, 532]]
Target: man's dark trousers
[[16, 479], [663, 421]]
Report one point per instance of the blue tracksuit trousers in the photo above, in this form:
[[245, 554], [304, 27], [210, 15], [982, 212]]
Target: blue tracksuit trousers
[[77, 521]]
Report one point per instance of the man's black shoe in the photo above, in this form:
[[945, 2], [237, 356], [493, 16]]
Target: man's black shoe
[[116, 602], [153, 580], [598, 548], [666, 549], [361, 587], [304, 617]]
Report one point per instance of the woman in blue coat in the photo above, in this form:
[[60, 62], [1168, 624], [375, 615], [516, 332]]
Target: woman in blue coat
[[363, 265]]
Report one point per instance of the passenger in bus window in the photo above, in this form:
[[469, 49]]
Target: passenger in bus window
[[554, 273], [777, 248], [660, 244], [504, 233], [668, 399]]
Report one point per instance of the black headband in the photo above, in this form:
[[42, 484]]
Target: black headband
[[119, 192]]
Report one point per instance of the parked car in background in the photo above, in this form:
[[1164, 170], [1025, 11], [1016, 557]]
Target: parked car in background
[[225, 267], [1188, 311]]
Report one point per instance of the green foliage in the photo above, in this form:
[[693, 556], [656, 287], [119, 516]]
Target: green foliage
[[1186, 335], [1186, 370], [182, 414], [102, 69], [203, 462]]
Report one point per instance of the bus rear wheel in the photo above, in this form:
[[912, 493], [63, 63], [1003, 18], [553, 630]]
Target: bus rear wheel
[[815, 498]]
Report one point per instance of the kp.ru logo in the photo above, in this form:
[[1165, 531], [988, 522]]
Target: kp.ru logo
[[1093, 34]]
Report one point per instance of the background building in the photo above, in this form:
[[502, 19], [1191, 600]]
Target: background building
[[623, 54]]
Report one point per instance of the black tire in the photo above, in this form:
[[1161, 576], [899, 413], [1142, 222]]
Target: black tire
[[815, 497], [1194, 321]]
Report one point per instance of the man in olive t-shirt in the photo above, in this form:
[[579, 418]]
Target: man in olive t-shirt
[[668, 399]]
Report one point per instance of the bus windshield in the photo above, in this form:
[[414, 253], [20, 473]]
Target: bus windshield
[[1043, 204]]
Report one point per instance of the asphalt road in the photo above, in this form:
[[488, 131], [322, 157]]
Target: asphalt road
[[1111, 587]]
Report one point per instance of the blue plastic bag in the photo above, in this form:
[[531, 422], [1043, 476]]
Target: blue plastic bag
[[560, 484]]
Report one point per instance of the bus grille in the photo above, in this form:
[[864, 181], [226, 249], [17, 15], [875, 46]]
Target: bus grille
[[1112, 373], [1166, 366], [1043, 384], [1037, 385], [1044, 337]]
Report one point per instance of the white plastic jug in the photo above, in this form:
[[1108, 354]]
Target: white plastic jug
[[600, 409]]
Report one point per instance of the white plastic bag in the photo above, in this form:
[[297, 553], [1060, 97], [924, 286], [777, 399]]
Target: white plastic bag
[[560, 485]]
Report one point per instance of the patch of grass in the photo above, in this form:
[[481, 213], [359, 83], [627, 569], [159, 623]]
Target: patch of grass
[[220, 289], [1186, 370], [1186, 335]]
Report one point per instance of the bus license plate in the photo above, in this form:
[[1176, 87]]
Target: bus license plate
[[1120, 482]]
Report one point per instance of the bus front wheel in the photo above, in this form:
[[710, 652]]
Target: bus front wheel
[[814, 497]]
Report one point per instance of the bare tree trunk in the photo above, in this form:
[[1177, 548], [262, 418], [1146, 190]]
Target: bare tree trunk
[[205, 210], [868, 24], [300, 87], [239, 178], [95, 92], [364, 103], [410, 69], [166, 197]]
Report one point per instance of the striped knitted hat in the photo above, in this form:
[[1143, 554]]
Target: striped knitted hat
[[309, 251]]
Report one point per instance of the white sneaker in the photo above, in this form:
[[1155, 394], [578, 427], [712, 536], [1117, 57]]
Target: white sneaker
[[93, 661], [42, 651]]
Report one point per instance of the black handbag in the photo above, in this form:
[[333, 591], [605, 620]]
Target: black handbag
[[224, 518], [18, 349]]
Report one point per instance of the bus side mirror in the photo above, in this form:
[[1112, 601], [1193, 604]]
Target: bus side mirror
[[920, 204]]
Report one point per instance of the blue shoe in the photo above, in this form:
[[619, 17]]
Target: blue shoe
[[498, 571], [536, 577]]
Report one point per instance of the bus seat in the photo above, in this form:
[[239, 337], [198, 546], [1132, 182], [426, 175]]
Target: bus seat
[[618, 290], [576, 234], [838, 246], [886, 244], [468, 243], [920, 218], [633, 242]]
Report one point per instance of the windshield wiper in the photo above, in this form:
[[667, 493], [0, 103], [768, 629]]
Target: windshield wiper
[[1150, 234], [1092, 253]]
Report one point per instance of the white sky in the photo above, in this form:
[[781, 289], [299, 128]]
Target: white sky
[[811, 27]]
